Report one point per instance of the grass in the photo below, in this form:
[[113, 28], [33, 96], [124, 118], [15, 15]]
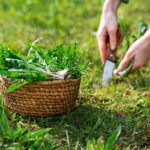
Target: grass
[[101, 110]]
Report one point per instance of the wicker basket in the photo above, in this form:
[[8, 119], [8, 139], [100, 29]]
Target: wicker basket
[[42, 98]]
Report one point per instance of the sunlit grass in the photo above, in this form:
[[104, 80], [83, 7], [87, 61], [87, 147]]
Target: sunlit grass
[[101, 110]]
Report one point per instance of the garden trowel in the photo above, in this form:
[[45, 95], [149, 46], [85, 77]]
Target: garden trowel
[[109, 68]]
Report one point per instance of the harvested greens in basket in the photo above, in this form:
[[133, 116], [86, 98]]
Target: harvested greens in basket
[[41, 64]]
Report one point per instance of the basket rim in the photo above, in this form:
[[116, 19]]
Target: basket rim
[[50, 81]]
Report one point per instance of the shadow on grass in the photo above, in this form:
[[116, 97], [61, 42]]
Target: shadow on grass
[[88, 122]]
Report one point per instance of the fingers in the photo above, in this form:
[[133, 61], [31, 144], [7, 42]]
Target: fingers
[[113, 39], [119, 35], [116, 37], [126, 60], [108, 40], [137, 64], [102, 43]]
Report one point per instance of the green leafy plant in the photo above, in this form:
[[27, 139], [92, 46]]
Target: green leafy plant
[[20, 137], [41, 64]]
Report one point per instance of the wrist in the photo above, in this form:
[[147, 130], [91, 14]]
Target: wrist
[[111, 6]]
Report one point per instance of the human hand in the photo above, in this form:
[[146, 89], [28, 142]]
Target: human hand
[[109, 34], [139, 52]]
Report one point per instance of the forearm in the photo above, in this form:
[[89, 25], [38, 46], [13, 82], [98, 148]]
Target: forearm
[[111, 6]]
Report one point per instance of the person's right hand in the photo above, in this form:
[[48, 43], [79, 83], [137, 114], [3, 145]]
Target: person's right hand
[[109, 34]]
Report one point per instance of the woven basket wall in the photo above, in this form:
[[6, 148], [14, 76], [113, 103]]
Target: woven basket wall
[[42, 98]]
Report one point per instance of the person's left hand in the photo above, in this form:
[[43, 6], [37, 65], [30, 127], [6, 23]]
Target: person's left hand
[[139, 52]]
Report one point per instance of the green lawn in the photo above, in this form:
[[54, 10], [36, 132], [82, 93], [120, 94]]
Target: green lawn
[[101, 110]]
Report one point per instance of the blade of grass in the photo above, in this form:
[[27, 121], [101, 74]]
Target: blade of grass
[[113, 138]]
